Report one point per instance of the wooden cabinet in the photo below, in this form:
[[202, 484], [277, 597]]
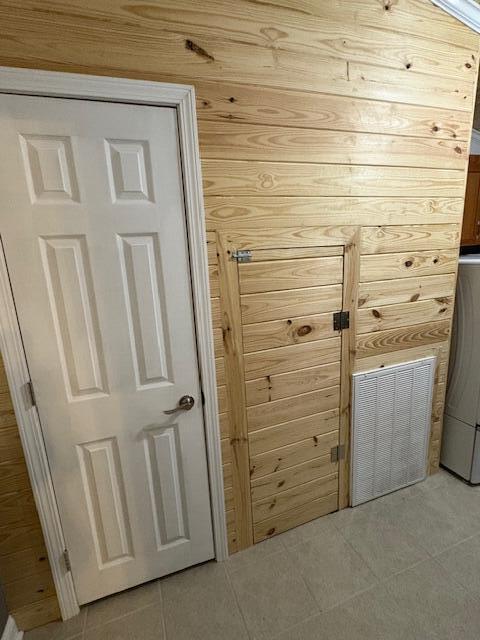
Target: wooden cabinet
[[471, 216]]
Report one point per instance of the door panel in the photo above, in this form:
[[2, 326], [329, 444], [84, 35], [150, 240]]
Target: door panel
[[94, 232], [291, 361]]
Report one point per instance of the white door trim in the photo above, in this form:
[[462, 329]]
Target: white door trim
[[11, 631], [182, 97], [467, 11]]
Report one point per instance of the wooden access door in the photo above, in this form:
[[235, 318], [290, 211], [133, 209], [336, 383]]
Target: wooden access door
[[94, 233], [284, 351]]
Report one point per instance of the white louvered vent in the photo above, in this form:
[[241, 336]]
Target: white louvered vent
[[391, 425]]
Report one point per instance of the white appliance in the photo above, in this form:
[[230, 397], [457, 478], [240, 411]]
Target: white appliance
[[461, 437]]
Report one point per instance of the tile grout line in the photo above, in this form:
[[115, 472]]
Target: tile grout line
[[162, 607], [237, 602]]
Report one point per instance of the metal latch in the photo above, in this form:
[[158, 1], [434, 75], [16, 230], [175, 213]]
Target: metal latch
[[341, 320], [242, 256], [337, 453], [29, 395], [66, 559]]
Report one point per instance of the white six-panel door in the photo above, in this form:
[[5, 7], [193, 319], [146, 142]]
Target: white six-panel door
[[93, 226]]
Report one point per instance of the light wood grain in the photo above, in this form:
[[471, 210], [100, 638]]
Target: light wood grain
[[439, 350], [292, 477], [37, 613], [275, 253], [393, 85], [409, 264], [224, 420], [294, 383], [227, 475], [287, 433], [409, 238], [380, 342], [281, 333], [234, 368], [266, 508], [276, 305], [233, 141], [285, 409], [216, 312], [295, 517], [274, 212], [299, 273], [308, 114], [213, 279], [212, 248], [350, 304], [243, 103], [291, 358], [256, 178], [385, 292], [222, 399], [220, 370], [402, 315], [264, 464]]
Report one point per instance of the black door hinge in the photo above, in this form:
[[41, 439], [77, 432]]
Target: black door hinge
[[341, 320], [337, 453]]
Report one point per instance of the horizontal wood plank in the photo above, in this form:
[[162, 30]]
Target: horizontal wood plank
[[286, 409], [222, 102], [296, 382], [295, 517], [256, 178], [275, 212], [212, 248], [238, 141], [288, 456], [393, 239], [277, 275], [292, 477], [288, 433], [220, 370], [380, 342], [439, 350], [402, 315], [216, 312], [384, 292], [281, 333], [291, 358], [267, 508], [277, 305], [408, 264]]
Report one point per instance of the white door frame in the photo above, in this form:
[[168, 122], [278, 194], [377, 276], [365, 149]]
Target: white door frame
[[182, 97]]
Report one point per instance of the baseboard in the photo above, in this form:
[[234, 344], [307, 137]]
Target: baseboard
[[11, 631]]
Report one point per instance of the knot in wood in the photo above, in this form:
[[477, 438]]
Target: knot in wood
[[304, 330]]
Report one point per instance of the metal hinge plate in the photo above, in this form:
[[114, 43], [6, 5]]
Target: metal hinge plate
[[30, 400], [66, 559], [341, 320], [242, 256], [337, 453]]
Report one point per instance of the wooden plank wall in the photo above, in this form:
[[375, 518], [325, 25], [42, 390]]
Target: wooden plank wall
[[311, 112], [24, 570]]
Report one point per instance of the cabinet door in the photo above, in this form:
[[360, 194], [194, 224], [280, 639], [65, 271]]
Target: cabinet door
[[471, 219]]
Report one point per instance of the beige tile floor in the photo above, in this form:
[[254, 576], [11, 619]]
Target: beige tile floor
[[404, 567]]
